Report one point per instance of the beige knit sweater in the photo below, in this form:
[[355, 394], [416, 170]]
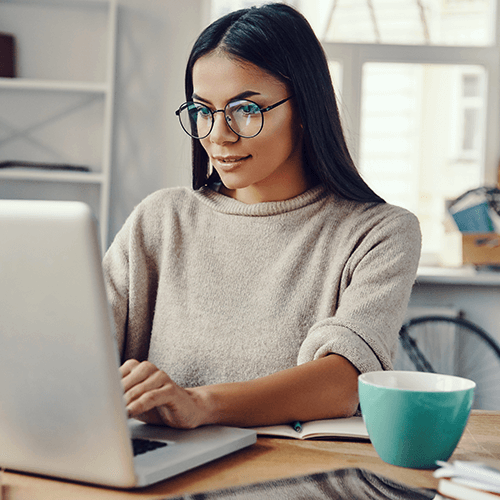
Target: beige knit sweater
[[213, 290]]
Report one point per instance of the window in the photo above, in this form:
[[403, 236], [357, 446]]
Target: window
[[219, 8], [470, 105], [408, 22], [418, 88], [419, 139]]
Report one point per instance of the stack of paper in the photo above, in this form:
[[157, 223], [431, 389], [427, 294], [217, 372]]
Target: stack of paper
[[468, 480]]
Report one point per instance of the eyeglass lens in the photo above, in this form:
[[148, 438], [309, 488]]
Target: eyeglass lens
[[243, 117]]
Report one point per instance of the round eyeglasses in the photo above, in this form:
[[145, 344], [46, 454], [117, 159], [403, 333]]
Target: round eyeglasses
[[245, 118]]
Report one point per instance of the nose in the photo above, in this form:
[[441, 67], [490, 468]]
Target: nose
[[221, 132]]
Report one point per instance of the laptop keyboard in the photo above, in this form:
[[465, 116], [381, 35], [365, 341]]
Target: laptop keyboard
[[141, 446]]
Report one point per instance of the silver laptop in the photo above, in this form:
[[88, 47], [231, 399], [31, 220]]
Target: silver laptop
[[61, 402]]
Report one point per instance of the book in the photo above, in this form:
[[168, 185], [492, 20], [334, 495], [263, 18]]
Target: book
[[335, 428], [458, 491], [474, 219], [7, 56], [463, 480]]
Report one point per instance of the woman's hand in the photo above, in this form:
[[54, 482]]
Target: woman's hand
[[151, 395]]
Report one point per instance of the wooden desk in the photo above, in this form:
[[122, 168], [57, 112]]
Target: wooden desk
[[270, 458]]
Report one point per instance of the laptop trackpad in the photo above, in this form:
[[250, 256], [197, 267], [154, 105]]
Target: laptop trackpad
[[209, 434], [185, 449]]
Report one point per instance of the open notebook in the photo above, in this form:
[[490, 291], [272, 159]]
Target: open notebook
[[335, 428], [61, 406]]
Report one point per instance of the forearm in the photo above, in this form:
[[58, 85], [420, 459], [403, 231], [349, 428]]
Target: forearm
[[324, 388]]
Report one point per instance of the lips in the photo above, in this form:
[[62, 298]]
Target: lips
[[229, 162], [230, 159]]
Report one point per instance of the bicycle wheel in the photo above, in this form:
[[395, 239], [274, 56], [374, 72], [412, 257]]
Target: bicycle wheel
[[453, 346]]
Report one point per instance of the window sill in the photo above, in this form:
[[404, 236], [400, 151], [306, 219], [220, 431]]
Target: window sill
[[466, 275]]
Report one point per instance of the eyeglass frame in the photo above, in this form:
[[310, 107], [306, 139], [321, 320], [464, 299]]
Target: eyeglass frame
[[262, 111]]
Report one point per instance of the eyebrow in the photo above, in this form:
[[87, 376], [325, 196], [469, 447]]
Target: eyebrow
[[242, 95]]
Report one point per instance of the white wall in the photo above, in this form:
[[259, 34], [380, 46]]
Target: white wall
[[150, 149]]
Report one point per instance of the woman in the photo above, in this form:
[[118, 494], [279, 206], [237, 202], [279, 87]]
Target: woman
[[258, 296]]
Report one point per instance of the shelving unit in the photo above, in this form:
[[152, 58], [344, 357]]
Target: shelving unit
[[59, 108]]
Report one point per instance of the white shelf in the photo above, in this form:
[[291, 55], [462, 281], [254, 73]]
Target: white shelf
[[60, 2], [54, 85], [32, 174], [59, 108]]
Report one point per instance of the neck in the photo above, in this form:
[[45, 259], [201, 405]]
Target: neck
[[261, 194]]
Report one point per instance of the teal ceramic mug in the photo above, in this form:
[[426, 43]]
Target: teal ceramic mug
[[414, 418]]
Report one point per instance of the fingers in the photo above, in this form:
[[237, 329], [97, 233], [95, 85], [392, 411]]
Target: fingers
[[134, 373], [150, 394], [147, 401], [128, 366], [153, 382], [144, 386]]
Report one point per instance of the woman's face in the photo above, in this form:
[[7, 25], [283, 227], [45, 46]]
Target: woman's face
[[267, 167]]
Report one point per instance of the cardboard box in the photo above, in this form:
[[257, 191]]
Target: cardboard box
[[481, 248], [7, 56]]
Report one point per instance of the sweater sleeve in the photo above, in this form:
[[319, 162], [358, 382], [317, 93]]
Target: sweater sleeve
[[130, 274], [374, 291]]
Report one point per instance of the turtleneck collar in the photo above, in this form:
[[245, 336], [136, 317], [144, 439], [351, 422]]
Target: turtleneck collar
[[230, 206]]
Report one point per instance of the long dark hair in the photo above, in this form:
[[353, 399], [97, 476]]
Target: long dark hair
[[280, 41]]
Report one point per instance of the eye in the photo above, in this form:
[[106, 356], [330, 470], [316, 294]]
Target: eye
[[195, 108], [244, 108], [200, 111]]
